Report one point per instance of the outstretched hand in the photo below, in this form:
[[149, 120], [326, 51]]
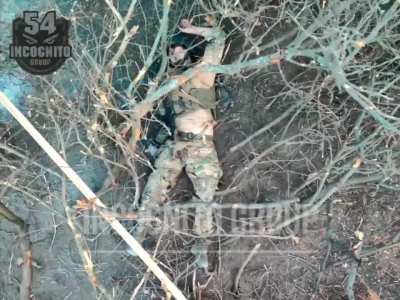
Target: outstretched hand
[[187, 27]]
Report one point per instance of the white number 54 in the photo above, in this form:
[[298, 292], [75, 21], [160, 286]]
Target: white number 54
[[33, 25]]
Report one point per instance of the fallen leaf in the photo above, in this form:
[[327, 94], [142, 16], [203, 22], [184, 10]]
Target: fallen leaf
[[84, 204], [210, 20], [360, 44], [359, 235], [295, 239], [373, 295], [20, 262], [357, 163]]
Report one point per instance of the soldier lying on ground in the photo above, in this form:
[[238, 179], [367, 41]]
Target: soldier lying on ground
[[193, 148]]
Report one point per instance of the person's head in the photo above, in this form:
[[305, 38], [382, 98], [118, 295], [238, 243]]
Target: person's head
[[178, 55], [185, 49]]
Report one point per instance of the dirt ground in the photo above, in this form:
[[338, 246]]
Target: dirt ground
[[318, 263], [315, 262], [314, 265]]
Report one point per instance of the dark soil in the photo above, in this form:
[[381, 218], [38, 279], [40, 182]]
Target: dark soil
[[312, 263]]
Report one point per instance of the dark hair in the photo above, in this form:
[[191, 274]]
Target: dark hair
[[194, 43]]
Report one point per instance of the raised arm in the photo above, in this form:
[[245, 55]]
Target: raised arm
[[213, 53]]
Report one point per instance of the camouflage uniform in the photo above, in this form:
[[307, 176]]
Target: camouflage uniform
[[200, 161], [194, 153]]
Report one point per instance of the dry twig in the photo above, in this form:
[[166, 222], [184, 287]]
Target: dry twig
[[89, 194], [26, 250], [243, 266]]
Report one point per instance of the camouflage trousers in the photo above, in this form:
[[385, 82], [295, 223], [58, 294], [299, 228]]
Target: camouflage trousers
[[198, 158]]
